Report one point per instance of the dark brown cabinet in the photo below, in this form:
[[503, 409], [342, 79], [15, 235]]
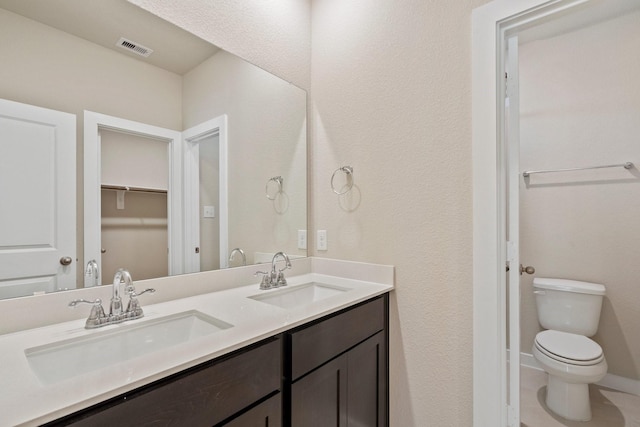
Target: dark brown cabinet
[[348, 385], [367, 384], [206, 395], [330, 372], [266, 414], [320, 398]]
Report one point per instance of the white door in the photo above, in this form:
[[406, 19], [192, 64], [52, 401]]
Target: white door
[[512, 132], [37, 199]]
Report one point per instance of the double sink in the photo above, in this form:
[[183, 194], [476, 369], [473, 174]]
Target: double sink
[[65, 359]]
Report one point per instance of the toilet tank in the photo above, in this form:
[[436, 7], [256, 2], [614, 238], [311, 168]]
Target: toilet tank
[[568, 305]]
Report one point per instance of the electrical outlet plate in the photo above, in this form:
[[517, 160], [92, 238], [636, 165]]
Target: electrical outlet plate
[[321, 242]]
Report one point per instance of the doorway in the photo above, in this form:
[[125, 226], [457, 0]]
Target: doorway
[[124, 170], [206, 196], [578, 110], [496, 382], [134, 196]]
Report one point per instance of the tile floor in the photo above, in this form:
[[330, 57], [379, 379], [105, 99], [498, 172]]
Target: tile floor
[[610, 408]]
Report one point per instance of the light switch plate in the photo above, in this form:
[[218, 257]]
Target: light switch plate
[[302, 239], [209, 211]]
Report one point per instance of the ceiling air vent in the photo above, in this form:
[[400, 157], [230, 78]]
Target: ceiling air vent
[[134, 47]]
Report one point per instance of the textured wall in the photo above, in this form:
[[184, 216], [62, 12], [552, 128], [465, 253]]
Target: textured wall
[[273, 34], [81, 75], [580, 104], [390, 85], [390, 91], [267, 138]]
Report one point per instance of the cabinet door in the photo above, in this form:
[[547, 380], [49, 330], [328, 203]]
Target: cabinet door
[[266, 414], [367, 383], [320, 398], [311, 346]]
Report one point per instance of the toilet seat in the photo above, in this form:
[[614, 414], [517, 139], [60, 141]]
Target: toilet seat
[[569, 348]]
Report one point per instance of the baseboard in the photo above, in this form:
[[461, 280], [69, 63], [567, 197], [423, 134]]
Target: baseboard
[[615, 382]]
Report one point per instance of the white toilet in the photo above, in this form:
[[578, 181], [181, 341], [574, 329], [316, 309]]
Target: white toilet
[[570, 311]]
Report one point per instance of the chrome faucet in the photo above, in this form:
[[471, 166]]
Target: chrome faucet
[[275, 279], [98, 318], [92, 272], [121, 276], [278, 279], [241, 252]]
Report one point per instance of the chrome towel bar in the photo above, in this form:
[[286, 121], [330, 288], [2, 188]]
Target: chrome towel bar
[[627, 165]]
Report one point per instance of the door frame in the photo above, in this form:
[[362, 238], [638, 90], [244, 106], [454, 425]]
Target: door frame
[[491, 23], [512, 202], [191, 138], [93, 122]]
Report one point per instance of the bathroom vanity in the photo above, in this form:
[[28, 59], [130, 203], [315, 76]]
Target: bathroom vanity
[[323, 373], [313, 353]]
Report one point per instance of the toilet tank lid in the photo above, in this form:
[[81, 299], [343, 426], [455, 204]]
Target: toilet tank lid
[[569, 286]]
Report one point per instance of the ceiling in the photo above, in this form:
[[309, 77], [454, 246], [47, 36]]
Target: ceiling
[[104, 22]]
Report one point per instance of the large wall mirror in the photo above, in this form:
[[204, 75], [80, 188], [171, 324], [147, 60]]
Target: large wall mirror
[[183, 157]]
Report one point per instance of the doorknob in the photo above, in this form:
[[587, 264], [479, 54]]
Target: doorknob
[[528, 269], [65, 260]]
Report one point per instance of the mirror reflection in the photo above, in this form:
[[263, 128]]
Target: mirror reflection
[[126, 142]]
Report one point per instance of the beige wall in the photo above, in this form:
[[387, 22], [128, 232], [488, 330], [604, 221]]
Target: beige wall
[[52, 69], [209, 161], [390, 88], [275, 35], [266, 138], [123, 154], [81, 75], [580, 106], [135, 238]]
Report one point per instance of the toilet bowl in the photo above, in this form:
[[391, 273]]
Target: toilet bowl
[[572, 362], [570, 311]]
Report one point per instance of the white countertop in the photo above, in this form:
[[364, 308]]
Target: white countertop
[[24, 400]]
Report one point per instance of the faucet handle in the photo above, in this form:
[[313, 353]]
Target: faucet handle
[[97, 312], [266, 282], [134, 305], [132, 292], [280, 280]]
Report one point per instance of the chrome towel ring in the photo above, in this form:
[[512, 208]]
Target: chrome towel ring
[[278, 180], [348, 170]]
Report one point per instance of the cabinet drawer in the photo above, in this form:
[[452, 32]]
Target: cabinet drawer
[[316, 344], [266, 414], [201, 396]]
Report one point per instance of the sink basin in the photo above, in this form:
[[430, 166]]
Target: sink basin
[[65, 359], [299, 296]]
